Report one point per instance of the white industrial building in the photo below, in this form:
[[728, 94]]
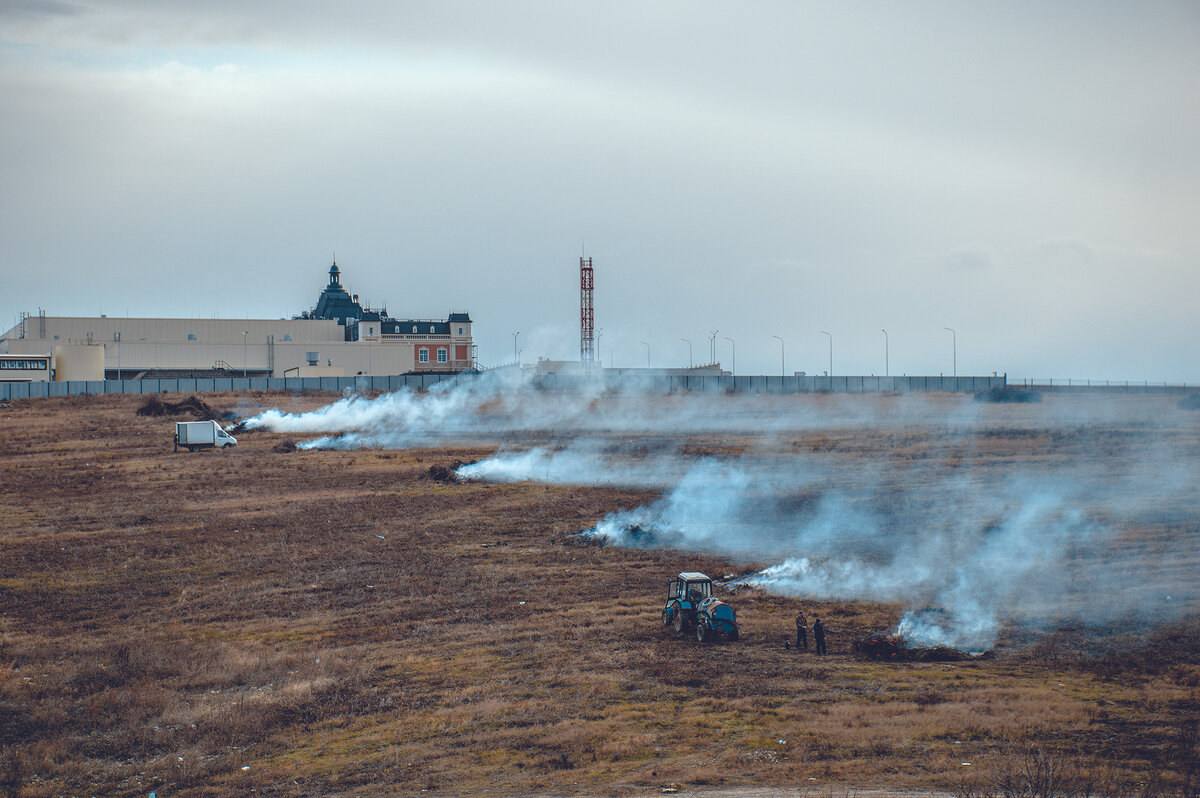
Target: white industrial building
[[337, 338]]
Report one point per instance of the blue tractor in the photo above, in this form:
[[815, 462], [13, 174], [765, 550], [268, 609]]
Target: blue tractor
[[692, 608]]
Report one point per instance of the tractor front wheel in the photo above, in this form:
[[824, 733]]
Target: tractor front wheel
[[701, 632]]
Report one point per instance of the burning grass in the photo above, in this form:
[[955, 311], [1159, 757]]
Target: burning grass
[[345, 622]]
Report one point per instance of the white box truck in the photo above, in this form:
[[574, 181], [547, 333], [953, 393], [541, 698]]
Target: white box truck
[[197, 435]]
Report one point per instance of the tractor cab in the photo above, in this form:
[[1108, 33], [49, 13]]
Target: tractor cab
[[691, 587]]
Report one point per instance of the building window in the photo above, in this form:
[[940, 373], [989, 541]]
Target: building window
[[24, 365], [431, 329], [287, 336], [414, 328], [423, 356], [460, 330], [191, 336], [441, 355]]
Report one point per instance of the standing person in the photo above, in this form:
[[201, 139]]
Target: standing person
[[819, 635], [801, 630]]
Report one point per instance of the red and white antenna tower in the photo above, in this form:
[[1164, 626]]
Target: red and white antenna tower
[[587, 322]]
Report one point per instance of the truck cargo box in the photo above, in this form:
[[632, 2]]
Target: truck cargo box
[[196, 435]]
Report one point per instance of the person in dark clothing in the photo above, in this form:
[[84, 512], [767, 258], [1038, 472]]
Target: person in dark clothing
[[819, 635], [801, 630]]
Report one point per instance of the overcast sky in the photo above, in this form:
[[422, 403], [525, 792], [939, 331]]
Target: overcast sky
[[1026, 173]]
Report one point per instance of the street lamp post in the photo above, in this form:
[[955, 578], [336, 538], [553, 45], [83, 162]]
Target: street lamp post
[[244, 334], [782, 362], [516, 355], [885, 353], [643, 343], [733, 348], [830, 351], [689, 343], [712, 346], [954, 345]]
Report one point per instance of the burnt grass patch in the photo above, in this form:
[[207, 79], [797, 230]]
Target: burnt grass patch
[[350, 623], [1008, 393]]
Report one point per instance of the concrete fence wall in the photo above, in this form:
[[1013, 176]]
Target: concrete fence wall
[[42, 390]]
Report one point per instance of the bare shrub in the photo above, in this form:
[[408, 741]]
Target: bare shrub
[[1034, 772]]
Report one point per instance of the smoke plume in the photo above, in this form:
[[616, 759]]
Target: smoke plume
[[973, 516]]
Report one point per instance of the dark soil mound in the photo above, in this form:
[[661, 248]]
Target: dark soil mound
[[441, 473], [285, 446], [1007, 393], [192, 406]]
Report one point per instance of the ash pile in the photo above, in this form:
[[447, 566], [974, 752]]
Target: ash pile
[[894, 648]]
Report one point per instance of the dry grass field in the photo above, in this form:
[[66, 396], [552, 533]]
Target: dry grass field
[[295, 622]]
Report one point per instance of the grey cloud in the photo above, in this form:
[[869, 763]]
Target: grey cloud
[[969, 260], [690, 145]]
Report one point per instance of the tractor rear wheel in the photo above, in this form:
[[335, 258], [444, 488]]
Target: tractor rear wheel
[[677, 618], [734, 634]]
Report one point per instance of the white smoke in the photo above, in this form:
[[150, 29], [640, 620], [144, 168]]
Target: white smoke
[[583, 462], [967, 548]]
